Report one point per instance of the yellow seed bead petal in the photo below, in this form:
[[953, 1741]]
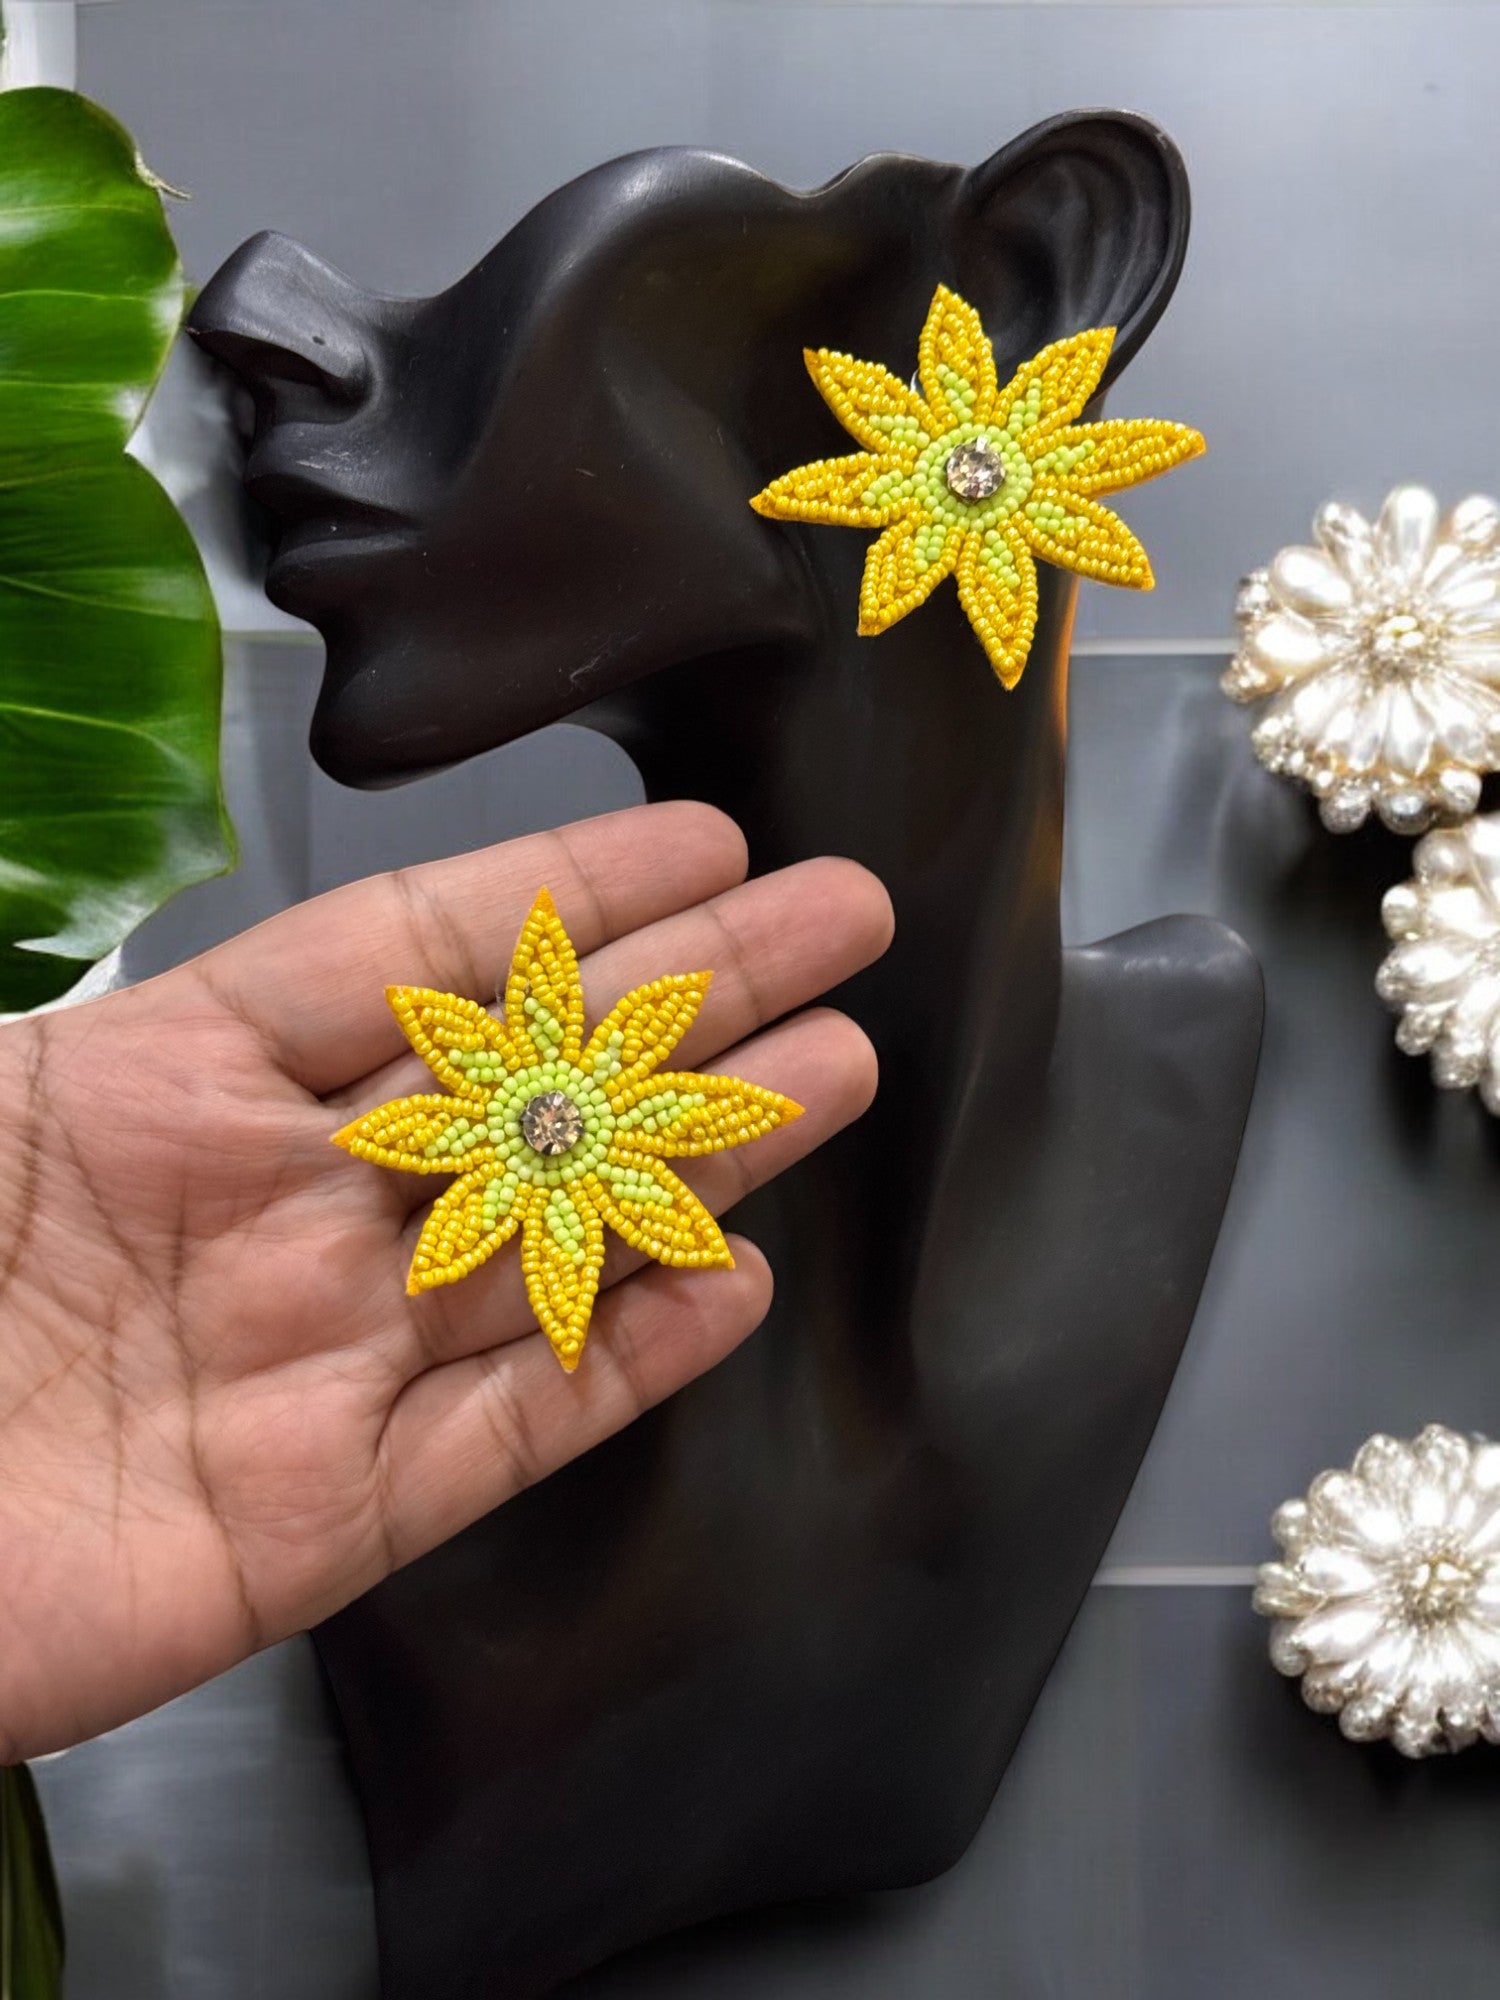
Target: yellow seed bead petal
[[955, 362], [641, 1031], [543, 994], [706, 1114], [834, 492], [406, 1134], [1002, 614], [458, 1235], [661, 1216], [897, 579], [1079, 534], [560, 1285], [1058, 381], [452, 1035], [1108, 457], [870, 403]]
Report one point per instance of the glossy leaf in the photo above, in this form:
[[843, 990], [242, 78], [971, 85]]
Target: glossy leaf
[[31, 1933], [110, 662]]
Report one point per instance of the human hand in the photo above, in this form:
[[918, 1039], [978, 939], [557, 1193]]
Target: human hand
[[221, 1415]]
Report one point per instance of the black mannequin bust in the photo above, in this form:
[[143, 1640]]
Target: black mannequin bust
[[781, 1637]]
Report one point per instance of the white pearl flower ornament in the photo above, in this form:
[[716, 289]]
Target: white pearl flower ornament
[[1387, 1597], [1443, 977], [1377, 656]]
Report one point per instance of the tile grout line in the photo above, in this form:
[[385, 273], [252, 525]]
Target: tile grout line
[[1175, 1576], [1081, 649], [1137, 649]]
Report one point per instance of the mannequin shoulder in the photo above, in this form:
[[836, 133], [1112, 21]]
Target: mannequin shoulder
[[1171, 1006]]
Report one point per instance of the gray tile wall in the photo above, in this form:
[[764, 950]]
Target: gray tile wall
[[1329, 334]]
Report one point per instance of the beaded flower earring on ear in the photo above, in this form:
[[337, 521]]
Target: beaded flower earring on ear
[[972, 479], [557, 1137]]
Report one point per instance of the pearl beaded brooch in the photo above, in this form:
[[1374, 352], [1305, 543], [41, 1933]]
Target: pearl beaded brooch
[[1443, 974], [1387, 1595], [558, 1137], [974, 480], [1376, 655]]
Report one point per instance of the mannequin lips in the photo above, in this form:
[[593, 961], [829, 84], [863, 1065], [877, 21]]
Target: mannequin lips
[[317, 517]]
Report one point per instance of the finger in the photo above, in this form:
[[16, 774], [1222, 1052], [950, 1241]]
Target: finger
[[821, 1059], [772, 944], [312, 981], [463, 1438]]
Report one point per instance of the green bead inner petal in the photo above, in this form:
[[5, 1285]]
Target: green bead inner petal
[[999, 559], [463, 1135], [960, 394], [929, 544], [1026, 411], [478, 1066], [499, 1199], [565, 1225], [899, 427], [1063, 459], [635, 1184], [545, 1029], [1059, 522], [659, 1111], [607, 1062]]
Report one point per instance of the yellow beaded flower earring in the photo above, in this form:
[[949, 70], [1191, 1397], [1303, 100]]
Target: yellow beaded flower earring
[[975, 480], [557, 1137]]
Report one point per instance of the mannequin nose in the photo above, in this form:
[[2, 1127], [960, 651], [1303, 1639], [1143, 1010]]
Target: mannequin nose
[[289, 325]]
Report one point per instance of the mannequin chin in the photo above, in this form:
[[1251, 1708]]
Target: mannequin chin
[[780, 1638]]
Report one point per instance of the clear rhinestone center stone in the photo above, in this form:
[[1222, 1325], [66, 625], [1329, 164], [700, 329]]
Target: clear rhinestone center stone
[[974, 471], [552, 1123]]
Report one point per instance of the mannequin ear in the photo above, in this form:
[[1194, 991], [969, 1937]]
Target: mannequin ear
[[1080, 222]]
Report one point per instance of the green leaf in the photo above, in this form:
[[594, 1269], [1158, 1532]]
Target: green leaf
[[110, 662], [31, 1927]]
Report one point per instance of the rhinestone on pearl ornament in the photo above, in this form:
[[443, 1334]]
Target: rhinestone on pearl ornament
[[1377, 655]]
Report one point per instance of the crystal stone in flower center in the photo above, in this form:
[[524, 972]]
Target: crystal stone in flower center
[[551, 1124], [974, 471]]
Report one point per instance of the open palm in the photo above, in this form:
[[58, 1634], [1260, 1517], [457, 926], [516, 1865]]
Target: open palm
[[221, 1415]]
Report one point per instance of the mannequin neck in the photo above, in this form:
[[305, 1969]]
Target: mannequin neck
[[906, 754]]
